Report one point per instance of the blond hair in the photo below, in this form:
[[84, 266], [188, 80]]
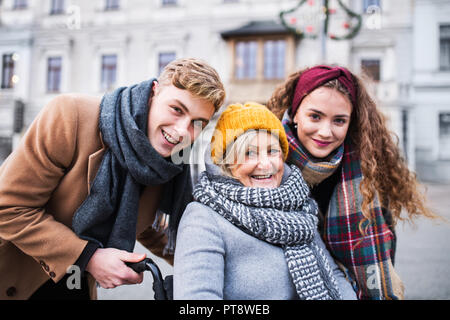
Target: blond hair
[[196, 76], [236, 151]]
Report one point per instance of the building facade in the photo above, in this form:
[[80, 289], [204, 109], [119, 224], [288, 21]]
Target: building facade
[[431, 88], [48, 47]]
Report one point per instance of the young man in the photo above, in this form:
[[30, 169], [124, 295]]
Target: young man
[[91, 176]]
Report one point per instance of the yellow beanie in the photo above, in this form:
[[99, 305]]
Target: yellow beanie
[[238, 118]]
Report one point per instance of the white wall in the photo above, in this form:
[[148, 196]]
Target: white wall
[[431, 86]]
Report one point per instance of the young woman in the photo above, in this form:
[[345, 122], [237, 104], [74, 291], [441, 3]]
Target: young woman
[[339, 139], [252, 231]]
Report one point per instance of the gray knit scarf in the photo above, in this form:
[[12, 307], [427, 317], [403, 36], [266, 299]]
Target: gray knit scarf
[[284, 216], [108, 216]]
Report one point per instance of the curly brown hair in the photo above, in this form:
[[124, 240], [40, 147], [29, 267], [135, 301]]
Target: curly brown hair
[[384, 169]]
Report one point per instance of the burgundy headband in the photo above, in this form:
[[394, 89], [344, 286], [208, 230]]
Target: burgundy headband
[[317, 76]]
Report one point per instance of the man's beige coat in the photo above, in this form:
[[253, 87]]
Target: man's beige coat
[[42, 183]]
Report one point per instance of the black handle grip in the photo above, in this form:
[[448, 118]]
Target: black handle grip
[[138, 267], [159, 286]]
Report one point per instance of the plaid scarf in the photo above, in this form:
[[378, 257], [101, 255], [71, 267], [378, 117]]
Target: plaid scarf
[[368, 259]]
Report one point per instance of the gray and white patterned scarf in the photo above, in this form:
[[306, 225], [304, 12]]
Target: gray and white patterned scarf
[[284, 216]]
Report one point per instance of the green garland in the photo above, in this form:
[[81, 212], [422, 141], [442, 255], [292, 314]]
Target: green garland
[[300, 34], [353, 31]]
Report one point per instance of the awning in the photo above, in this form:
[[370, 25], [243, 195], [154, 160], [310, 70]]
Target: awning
[[256, 28]]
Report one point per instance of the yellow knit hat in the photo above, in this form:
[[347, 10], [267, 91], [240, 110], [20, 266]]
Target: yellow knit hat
[[238, 118]]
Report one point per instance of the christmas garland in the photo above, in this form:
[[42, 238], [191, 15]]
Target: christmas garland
[[353, 31]]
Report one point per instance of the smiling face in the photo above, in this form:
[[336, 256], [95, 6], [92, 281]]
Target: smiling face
[[176, 117], [323, 119], [261, 165]]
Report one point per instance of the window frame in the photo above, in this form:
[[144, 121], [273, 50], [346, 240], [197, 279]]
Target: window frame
[[112, 5], [260, 40], [53, 87], [275, 67], [161, 66], [7, 71], [20, 4], [444, 39], [367, 70], [57, 7], [249, 72], [444, 134], [169, 3], [444, 124], [106, 71]]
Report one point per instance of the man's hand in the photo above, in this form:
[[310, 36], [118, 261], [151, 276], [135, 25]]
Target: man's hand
[[108, 267]]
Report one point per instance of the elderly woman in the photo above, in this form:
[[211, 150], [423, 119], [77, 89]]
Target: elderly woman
[[252, 231]]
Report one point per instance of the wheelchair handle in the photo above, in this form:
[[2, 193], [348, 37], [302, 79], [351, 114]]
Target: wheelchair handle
[[158, 283]]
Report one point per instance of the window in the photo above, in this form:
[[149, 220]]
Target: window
[[372, 68], [245, 59], [444, 135], [5, 147], [109, 71], [248, 64], [370, 4], [20, 4], [444, 124], [57, 7], [164, 59], [274, 59], [7, 71], [54, 74], [169, 2], [19, 109], [444, 34], [112, 5], [405, 134]]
